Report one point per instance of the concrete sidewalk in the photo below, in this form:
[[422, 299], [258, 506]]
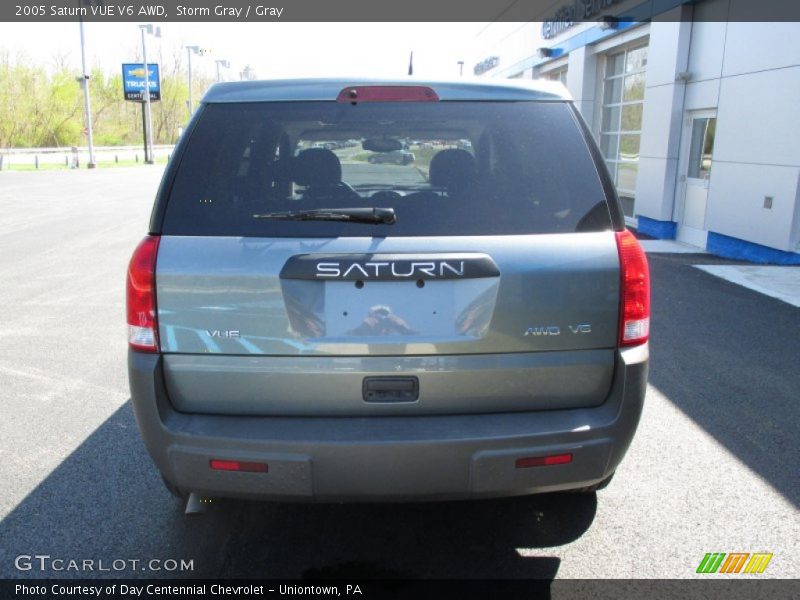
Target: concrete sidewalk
[[669, 247], [782, 283]]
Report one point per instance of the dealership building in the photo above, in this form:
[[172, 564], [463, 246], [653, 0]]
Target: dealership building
[[695, 106]]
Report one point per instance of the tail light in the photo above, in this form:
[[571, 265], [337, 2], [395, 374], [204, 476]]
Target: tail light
[[634, 319], [543, 461], [239, 465], [141, 296]]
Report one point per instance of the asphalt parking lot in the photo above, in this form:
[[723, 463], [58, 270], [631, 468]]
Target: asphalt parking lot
[[713, 467]]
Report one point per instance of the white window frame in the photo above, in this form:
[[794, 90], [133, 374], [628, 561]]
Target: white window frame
[[559, 74], [639, 41], [557, 64]]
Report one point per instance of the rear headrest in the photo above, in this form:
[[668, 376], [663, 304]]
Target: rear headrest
[[316, 166], [452, 169]]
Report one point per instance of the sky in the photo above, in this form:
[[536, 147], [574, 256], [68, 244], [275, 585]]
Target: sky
[[272, 49]]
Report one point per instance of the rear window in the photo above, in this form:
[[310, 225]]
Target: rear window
[[446, 168]]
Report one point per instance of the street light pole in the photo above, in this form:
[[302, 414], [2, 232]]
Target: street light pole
[[461, 68], [87, 104], [189, 51], [247, 73], [222, 63], [148, 120], [148, 149]]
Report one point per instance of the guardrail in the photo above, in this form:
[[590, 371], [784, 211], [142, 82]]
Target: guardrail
[[76, 156]]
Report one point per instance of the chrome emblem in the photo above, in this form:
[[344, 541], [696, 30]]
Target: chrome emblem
[[556, 330], [218, 333]]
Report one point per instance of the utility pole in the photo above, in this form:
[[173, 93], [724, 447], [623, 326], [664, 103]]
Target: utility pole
[[87, 104]]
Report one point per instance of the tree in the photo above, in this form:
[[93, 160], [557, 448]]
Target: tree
[[40, 108]]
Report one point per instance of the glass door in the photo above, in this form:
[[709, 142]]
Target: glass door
[[698, 155]]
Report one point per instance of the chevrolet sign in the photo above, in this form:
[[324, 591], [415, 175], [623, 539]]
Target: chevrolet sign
[[571, 14]]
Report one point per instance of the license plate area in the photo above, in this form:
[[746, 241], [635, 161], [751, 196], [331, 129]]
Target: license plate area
[[390, 308], [389, 298]]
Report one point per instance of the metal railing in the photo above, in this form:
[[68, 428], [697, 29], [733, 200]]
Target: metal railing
[[76, 156]]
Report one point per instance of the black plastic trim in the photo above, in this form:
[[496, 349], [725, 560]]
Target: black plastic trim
[[390, 389], [165, 188], [612, 199]]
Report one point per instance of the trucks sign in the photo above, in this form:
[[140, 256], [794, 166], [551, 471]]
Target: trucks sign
[[133, 81]]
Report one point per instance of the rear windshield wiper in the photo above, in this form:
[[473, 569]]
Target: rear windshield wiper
[[352, 215]]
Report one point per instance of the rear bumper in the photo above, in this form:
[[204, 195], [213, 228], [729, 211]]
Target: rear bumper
[[433, 457]]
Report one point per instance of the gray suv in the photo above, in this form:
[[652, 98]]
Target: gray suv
[[307, 325]]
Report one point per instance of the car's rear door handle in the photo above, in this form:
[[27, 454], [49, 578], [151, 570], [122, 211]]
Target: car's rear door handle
[[390, 389]]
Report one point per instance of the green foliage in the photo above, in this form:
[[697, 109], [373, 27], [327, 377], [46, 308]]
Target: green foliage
[[41, 109]]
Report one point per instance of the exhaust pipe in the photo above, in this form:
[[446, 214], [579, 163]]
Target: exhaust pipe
[[197, 505]]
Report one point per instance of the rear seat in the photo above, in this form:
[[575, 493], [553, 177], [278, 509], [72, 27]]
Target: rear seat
[[453, 169], [319, 171]]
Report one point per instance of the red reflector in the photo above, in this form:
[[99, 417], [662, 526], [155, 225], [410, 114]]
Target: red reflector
[[634, 318], [238, 465], [387, 93], [543, 461], [141, 296]]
